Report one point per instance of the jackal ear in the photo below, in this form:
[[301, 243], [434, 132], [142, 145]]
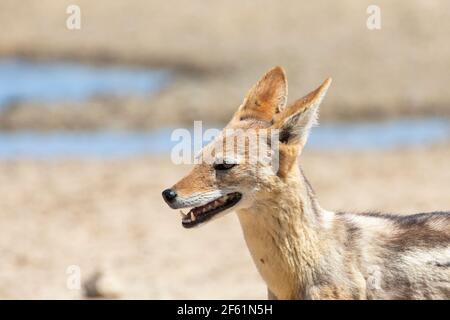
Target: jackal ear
[[266, 98], [296, 121]]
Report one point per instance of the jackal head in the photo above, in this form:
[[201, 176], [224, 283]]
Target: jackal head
[[252, 157]]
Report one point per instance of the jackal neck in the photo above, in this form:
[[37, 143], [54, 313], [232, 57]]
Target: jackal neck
[[281, 231]]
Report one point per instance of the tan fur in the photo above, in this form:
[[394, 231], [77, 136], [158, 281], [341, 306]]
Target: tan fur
[[301, 250], [266, 98]]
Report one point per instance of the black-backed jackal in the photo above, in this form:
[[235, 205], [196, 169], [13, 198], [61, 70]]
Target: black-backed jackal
[[301, 250]]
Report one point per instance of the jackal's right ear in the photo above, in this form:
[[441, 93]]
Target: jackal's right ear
[[295, 122], [265, 98]]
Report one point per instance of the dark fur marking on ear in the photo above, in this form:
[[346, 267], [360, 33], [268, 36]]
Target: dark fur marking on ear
[[288, 131], [284, 136]]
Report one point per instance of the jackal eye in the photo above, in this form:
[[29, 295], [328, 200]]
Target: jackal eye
[[224, 166]]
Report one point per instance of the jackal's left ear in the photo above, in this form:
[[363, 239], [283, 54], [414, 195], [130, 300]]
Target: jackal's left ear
[[266, 98], [295, 122]]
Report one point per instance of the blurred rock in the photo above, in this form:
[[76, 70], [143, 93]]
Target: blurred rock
[[102, 285]]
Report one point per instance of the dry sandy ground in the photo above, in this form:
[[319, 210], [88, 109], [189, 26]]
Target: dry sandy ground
[[110, 216], [218, 49]]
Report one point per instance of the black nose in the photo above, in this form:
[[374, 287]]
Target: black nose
[[169, 195]]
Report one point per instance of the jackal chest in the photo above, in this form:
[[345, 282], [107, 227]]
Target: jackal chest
[[279, 274], [280, 282]]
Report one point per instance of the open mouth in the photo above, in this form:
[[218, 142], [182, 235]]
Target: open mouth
[[203, 213]]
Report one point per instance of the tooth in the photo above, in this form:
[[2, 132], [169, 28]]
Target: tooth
[[192, 216]]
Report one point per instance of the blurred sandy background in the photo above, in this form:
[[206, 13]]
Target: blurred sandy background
[[108, 216]]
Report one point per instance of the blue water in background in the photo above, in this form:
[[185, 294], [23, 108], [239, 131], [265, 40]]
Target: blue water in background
[[22, 80], [103, 144], [380, 135], [111, 144], [47, 82]]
